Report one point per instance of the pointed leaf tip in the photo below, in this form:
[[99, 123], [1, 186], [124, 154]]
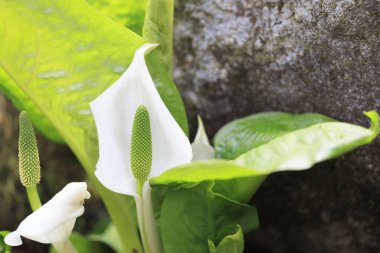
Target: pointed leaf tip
[[375, 125], [29, 161]]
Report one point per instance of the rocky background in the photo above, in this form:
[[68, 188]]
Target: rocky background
[[238, 57]]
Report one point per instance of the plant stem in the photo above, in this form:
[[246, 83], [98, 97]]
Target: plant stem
[[34, 198], [140, 215], [118, 207]]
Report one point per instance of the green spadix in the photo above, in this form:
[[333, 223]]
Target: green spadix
[[141, 145]]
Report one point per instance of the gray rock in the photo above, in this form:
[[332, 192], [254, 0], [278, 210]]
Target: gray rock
[[234, 58]]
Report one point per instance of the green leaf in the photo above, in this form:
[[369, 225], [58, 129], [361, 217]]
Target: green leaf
[[303, 148], [131, 14], [63, 54], [296, 150], [191, 215], [158, 28], [22, 102], [232, 241], [242, 135], [3, 247]]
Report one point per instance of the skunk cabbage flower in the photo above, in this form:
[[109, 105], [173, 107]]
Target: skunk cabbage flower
[[54, 221], [139, 139], [114, 111]]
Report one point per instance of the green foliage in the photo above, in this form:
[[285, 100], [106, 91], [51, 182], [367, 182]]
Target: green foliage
[[296, 150], [158, 28], [3, 247], [22, 102], [186, 205], [62, 55], [191, 215], [242, 135], [128, 13], [232, 241]]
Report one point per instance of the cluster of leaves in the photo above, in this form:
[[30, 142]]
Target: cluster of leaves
[[206, 202], [57, 56]]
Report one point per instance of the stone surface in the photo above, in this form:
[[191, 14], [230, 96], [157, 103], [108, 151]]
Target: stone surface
[[238, 57]]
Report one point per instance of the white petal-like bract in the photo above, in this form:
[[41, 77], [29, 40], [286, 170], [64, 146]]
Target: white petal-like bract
[[54, 221], [114, 112], [202, 150]]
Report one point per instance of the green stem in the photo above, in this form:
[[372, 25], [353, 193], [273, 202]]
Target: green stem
[[34, 198], [140, 214], [120, 208]]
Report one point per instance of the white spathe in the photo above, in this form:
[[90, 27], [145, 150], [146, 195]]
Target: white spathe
[[202, 150], [54, 221], [114, 111]]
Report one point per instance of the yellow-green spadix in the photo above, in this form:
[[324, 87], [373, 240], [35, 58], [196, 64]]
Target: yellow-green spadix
[[29, 161]]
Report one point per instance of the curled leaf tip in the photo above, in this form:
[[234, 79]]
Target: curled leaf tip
[[141, 144], [374, 117], [29, 161]]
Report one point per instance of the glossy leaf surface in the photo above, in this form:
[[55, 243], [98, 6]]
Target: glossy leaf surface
[[191, 215], [242, 135], [296, 150]]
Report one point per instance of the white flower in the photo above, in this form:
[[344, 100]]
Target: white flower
[[162, 147], [54, 221], [114, 111]]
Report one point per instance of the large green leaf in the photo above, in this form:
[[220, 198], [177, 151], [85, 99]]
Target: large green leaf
[[296, 150], [192, 215], [242, 135], [129, 13], [158, 28], [62, 54], [22, 102]]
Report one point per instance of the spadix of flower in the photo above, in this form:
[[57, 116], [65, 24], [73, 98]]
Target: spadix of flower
[[202, 150], [115, 112], [54, 221]]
